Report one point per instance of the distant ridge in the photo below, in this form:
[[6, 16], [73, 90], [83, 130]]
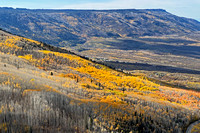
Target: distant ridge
[[70, 26]]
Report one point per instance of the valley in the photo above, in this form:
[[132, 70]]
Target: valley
[[98, 71], [174, 60]]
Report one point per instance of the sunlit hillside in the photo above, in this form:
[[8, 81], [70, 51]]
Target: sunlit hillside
[[48, 89]]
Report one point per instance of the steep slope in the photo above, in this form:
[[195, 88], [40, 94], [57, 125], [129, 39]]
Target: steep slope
[[67, 93], [68, 27]]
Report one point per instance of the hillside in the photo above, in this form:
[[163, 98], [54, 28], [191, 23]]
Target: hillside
[[43, 90], [70, 27]]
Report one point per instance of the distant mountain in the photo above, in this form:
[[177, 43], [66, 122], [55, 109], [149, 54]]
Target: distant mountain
[[68, 27]]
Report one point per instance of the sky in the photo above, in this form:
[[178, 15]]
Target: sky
[[184, 8]]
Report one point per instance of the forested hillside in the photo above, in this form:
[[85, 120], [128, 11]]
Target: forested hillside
[[48, 89]]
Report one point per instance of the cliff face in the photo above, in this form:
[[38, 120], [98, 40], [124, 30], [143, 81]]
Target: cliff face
[[76, 26]]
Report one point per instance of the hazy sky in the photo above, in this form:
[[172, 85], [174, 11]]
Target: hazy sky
[[185, 8]]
